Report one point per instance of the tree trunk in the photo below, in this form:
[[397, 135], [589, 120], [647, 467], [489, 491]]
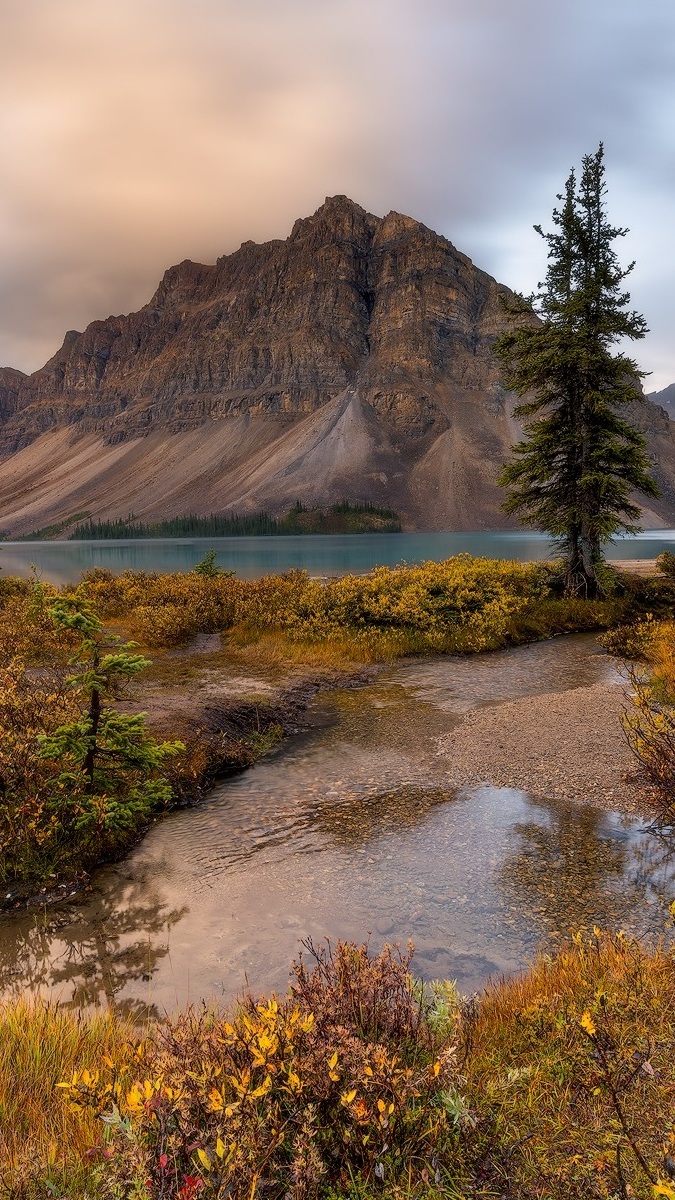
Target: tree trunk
[[94, 716]]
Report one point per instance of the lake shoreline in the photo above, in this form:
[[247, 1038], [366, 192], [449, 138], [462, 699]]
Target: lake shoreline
[[321, 555]]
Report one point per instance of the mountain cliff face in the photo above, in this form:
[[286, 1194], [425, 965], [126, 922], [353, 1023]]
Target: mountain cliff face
[[352, 360], [665, 400]]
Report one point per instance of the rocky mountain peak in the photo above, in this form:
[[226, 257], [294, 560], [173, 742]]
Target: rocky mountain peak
[[665, 399], [352, 360], [337, 218]]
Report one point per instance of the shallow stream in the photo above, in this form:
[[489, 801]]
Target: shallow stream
[[349, 830]]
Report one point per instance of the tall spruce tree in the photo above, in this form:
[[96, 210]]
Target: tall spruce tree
[[580, 460]]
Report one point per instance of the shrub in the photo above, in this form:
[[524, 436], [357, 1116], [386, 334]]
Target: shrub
[[666, 564], [631, 641], [350, 1086], [463, 604], [338, 1080], [78, 777], [162, 625], [650, 721], [34, 830]]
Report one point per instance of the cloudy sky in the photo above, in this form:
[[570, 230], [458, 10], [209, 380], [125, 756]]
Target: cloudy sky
[[136, 133]]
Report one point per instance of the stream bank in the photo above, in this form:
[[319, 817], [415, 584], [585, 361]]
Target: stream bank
[[568, 745], [352, 829]]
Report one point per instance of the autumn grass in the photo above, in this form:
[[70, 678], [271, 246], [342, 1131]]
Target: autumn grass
[[42, 1141], [557, 1084], [570, 1073]]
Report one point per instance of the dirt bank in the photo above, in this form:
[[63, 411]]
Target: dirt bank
[[227, 718]]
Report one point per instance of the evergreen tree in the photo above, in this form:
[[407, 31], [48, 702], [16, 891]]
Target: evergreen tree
[[574, 472], [110, 769]]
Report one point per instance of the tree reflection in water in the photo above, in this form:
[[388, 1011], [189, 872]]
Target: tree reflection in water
[[88, 955], [654, 867], [579, 866]]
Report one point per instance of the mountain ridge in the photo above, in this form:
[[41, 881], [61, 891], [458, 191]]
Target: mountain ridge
[[352, 360]]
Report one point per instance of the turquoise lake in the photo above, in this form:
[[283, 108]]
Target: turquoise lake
[[339, 554]]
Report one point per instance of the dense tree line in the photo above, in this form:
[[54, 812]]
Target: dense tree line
[[341, 517]]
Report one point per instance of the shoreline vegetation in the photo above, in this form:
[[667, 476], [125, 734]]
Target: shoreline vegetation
[[343, 517], [361, 1082]]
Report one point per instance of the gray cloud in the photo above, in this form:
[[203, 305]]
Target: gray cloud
[[141, 132]]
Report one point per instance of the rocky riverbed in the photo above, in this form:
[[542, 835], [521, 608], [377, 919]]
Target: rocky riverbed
[[568, 744]]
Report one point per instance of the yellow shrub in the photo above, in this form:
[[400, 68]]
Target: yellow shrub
[[162, 625]]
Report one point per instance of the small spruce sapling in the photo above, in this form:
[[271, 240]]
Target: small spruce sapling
[[208, 568], [106, 758]]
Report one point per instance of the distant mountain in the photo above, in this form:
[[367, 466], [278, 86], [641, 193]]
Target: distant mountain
[[351, 361], [666, 399]]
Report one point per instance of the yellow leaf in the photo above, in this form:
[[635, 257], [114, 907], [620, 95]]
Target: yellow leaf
[[264, 1088], [204, 1159], [347, 1097], [332, 1061], [134, 1099], [663, 1189], [587, 1023], [382, 1106], [436, 1069], [220, 1148]]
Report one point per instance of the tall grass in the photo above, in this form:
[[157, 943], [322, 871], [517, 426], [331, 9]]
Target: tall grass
[[570, 1072], [44, 1141]]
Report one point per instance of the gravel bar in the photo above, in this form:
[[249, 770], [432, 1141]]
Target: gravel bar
[[566, 744]]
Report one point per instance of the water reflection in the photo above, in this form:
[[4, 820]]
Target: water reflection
[[89, 963], [577, 867], [562, 871]]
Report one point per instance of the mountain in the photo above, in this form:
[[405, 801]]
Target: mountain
[[665, 400], [351, 361]]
